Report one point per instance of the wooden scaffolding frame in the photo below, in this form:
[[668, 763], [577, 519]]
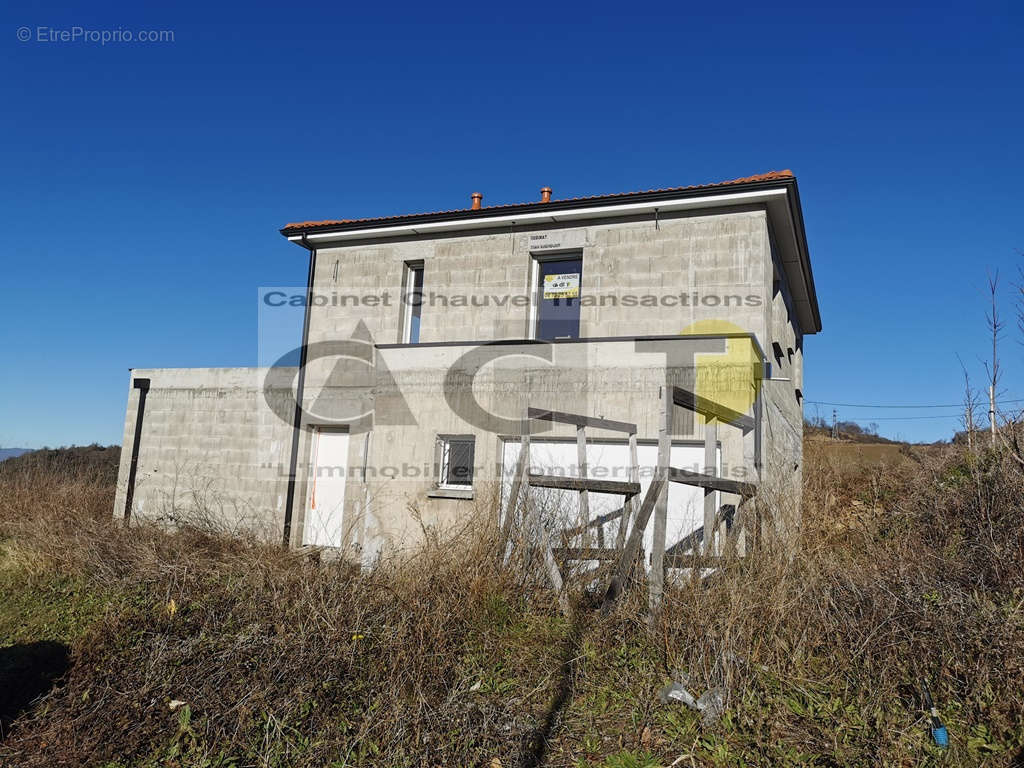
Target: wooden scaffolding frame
[[583, 484], [627, 550], [656, 499]]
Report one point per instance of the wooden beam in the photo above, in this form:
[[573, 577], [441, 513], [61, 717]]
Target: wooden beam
[[693, 561], [711, 467], [581, 460], [513, 497], [734, 535], [607, 517], [518, 483], [754, 522], [585, 553], [629, 508], [583, 484], [657, 576], [542, 414], [554, 574], [694, 402], [628, 555], [700, 480], [536, 526], [758, 422]]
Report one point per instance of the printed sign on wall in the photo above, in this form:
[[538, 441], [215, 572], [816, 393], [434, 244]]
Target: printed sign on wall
[[564, 286], [558, 241]]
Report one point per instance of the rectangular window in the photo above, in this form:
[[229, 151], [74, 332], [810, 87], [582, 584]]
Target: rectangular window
[[412, 302], [558, 299], [455, 467]]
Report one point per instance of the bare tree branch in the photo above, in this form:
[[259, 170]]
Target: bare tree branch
[[970, 405], [995, 326]]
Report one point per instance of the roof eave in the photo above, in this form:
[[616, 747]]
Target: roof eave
[[780, 196], [553, 206], [797, 215]]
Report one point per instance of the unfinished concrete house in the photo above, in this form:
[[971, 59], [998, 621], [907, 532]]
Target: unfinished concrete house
[[624, 339]]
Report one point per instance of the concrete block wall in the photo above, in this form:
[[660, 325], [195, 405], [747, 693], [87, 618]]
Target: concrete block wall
[[212, 445], [721, 262], [212, 450], [783, 415], [723, 258], [617, 380]]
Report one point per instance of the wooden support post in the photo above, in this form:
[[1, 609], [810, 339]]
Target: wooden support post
[[627, 559], [735, 543], [753, 511], [758, 423], [725, 523], [752, 514], [514, 493], [551, 564], [519, 482], [535, 527], [581, 460], [710, 468], [630, 504], [657, 577]]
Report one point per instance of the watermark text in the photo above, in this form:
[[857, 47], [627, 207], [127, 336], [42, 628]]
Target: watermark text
[[77, 34]]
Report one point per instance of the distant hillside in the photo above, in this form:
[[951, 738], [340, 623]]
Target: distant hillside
[[97, 461], [8, 453], [848, 430]]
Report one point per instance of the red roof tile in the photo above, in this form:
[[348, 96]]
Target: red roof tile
[[303, 225]]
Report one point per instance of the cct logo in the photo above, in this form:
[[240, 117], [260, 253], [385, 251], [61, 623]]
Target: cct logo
[[347, 381], [732, 378], [357, 377]]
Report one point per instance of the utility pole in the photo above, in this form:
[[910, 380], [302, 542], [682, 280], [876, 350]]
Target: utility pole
[[835, 427]]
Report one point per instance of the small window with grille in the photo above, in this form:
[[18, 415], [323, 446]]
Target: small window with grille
[[455, 461]]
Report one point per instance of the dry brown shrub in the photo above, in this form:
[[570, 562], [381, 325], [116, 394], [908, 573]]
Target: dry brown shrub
[[443, 657]]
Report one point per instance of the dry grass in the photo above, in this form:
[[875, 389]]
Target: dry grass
[[444, 659], [901, 574], [279, 660]]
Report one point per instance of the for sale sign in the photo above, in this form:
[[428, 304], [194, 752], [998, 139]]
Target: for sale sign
[[564, 286]]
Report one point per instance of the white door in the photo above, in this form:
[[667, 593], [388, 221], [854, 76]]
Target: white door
[[326, 507]]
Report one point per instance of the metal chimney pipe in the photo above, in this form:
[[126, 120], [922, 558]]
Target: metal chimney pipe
[[477, 198], [545, 194]]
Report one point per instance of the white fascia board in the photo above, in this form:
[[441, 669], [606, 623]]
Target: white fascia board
[[541, 217]]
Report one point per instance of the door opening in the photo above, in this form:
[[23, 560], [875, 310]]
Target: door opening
[[325, 511]]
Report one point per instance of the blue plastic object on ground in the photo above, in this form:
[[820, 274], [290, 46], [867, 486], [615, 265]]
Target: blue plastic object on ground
[[939, 733]]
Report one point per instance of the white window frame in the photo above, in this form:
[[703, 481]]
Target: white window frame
[[535, 291], [411, 268]]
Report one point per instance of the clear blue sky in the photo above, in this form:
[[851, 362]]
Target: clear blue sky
[[142, 185]]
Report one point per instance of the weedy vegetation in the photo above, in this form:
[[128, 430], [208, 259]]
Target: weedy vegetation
[[140, 647]]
